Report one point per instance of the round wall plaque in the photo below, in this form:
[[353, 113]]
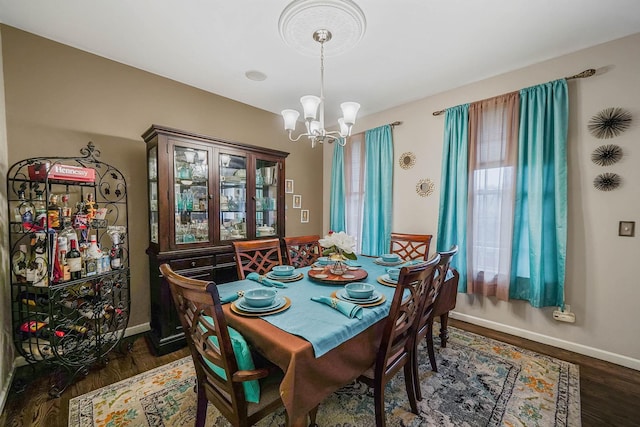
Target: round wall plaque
[[407, 160], [425, 187]]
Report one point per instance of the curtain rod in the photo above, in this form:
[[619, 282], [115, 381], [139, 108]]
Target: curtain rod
[[586, 73], [396, 123]]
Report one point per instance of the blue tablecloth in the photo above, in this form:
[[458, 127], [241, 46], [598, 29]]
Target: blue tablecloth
[[321, 325]]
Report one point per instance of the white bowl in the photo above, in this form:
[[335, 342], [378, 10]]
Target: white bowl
[[260, 297], [359, 290]]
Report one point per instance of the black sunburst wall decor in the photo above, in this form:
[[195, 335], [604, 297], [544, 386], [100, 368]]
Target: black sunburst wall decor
[[606, 155], [609, 122], [607, 181]]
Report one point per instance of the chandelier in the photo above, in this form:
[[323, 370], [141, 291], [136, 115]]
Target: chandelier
[[313, 107]]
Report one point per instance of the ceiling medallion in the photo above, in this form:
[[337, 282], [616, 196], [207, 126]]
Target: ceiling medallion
[[343, 18], [425, 187], [407, 160]]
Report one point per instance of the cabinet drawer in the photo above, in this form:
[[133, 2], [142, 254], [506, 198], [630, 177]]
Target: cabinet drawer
[[228, 258], [188, 263]]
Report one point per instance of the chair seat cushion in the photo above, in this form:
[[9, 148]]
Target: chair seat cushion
[[244, 360]]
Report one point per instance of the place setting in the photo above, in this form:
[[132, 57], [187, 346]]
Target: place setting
[[388, 260], [284, 273], [360, 293], [390, 278], [260, 302]]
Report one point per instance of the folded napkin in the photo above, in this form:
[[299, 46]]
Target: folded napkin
[[231, 298], [265, 281], [347, 308]]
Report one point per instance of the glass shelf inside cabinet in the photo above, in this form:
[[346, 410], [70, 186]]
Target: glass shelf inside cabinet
[[191, 189], [266, 198], [152, 169], [233, 196]]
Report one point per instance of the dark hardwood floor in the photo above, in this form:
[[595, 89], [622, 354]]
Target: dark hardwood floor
[[609, 393]]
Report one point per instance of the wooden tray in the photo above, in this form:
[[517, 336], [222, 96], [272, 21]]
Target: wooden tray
[[333, 279]]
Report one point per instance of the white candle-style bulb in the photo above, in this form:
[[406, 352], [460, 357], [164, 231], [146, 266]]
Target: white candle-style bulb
[[290, 118], [349, 112], [310, 105]]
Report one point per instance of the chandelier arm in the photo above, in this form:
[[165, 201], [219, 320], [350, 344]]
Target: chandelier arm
[[298, 138]]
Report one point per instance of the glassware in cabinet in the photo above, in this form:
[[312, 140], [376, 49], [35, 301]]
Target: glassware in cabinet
[[191, 194], [233, 196]]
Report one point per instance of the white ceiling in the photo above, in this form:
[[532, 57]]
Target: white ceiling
[[411, 48]]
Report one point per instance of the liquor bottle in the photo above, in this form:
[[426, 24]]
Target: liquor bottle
[[66, 209], [93, 254], [26, 210], [90, 207], [40, 210], [68, 232], [63, 248], [53, 212], [74, 261], [115, 254]]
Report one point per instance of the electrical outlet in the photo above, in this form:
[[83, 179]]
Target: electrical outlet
[[564, 315]]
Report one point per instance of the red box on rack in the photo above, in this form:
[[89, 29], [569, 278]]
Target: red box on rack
[[38, 171], [72, 173]]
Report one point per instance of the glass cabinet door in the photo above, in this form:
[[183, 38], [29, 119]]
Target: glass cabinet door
[[233, 196], [152, 169], [191, 197], [266, 198]]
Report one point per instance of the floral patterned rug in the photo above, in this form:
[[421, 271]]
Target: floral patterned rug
[[480, 382]]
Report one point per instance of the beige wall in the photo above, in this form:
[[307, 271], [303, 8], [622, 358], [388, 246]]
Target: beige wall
[[602, 268], [58, 98], [6, 338]]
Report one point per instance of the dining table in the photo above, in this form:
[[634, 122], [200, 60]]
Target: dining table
[[318, 348]]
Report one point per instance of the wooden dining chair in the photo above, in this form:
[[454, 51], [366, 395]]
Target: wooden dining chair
[[427, 314], [410, 246], [397, 344], [303, 251], [258, 256], [225, 373]]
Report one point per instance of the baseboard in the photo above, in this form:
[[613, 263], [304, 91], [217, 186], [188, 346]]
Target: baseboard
[[545, 339], [133, 330]]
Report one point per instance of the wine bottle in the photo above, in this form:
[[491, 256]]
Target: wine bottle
[[75, 261]]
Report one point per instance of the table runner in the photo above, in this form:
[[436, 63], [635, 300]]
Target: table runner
[[324, 327]]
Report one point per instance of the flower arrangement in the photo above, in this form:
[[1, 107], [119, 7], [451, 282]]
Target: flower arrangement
[[338, 244]]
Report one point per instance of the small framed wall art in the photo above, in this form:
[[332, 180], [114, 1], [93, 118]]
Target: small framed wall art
[[297, 201], [288, 186], [304, 215]]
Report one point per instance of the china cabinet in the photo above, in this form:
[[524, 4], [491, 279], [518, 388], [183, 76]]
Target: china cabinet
[[204, 193], [69, 262]]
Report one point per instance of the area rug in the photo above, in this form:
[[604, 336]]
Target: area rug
[[480, 382]]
